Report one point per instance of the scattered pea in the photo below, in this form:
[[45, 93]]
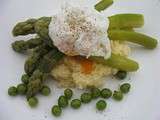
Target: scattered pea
[[95, 92], [25, 78], [121, 75], [117, 95], [106, 93], [76, 103], [101, 105], [12, 91], [62, 101], [125, 87], [45, 91], [33, 101], [21, 89], [56, 110], [86, 97], [68, 93]]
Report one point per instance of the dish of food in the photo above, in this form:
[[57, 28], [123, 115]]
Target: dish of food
[[81, 54]]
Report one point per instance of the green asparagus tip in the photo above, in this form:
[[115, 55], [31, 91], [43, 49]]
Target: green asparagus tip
[[24, 28]]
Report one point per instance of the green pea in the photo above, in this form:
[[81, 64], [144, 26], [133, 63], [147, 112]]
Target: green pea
[[25, 78], [21, 89], [95, 92], [76, 103], [56, 110], [106, 93], [86, 97], [125, 88], [62, 101], [117, 95], [33, 101], [68, 93], [121, 75], [101, 105], [45, 91], [12, 91]]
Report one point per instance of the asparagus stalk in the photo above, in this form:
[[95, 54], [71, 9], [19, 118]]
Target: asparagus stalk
[[103, 4], [44, 68], [24, 28], [134, 37], [50, 60], [126, 21], [35, 83], [41, 28], [33, 61], [21, 46], [118, 62]]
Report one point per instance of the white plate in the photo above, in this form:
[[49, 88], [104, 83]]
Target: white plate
[[141, 104]]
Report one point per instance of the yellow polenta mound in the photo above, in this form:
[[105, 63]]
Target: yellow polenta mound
[[69, 73]]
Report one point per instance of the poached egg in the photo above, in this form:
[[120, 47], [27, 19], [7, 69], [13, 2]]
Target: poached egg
[[80, 31]]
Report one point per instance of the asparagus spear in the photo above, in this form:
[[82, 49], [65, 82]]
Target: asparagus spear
[[41, 28], [118, 62], [21, 45], [35, 83], [126, 21], [39, 75], [103, 4], [50, 60], [134, 37], [34, 59], [24, 28]]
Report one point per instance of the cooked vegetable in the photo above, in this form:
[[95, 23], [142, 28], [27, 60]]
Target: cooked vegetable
[[62, 101], [41, 28], [134, 37], [34, 42], [33, 101], [21, 89], [24, 28], [95, 92], [50, 60], [35, 83], [76, 103], [119, 21], [68, 93], [121, 75], [106, 93], [86, 97], [21, 46], [31, 63], [45, 65], [125, 88], [33, 60], [12, 91], [101, 105], [103, 4], [117, 95], [25, 78], [119, 62], [127, 29], [45, 91], [56, 110]]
